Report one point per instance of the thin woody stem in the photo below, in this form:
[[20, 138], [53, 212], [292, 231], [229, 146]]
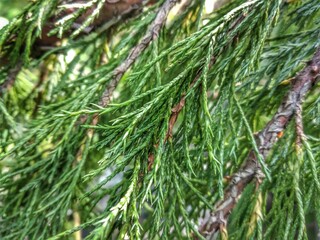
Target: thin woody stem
[[118, 73], [268, 136], [179, 106], [152, 34], [175, 111], [112, 13]]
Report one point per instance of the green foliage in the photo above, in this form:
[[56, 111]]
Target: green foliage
[[231, 69], [10, 8]]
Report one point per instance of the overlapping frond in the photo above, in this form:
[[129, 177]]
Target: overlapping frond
[[152, 163]]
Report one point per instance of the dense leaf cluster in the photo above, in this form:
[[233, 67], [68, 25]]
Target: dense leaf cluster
[[182, 119]]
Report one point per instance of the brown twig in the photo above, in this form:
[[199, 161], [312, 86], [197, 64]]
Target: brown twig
[[112, 12], [179, 106], [118, 73], [44, 72], [251, 169], [175, 111], [152, 34], [90, 132]]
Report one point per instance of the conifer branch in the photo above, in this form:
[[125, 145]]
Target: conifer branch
[[111, 14], [104, 13], [251, 169], [179, 106], [158, 149], [175, 111], [152, 34], [118, 73]]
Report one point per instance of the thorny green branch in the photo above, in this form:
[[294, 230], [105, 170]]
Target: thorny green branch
[[251, 169]]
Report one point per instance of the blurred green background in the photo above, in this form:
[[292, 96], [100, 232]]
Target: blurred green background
[[10, 8]]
